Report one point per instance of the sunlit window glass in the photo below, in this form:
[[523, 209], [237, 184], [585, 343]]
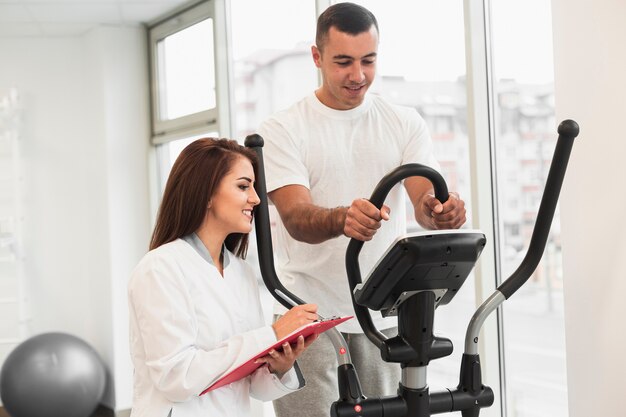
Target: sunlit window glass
[[272, 60], [534, 340], [272, 69], [421, 64], [167, 154], [186, 71]]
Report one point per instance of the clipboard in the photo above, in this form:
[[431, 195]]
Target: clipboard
[[249, 366]]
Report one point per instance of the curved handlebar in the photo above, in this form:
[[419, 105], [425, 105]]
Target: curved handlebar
[[568, 130], [354, 247], [262, 227]]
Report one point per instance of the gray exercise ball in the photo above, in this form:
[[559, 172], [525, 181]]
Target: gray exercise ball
[[52, 375]]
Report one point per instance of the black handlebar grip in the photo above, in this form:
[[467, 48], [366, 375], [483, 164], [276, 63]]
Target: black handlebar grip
[[409, 170], [568, 130], [263, 231], [354, 246]]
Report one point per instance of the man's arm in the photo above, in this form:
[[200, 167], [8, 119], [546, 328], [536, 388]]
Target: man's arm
[[309, 223], [429, 212]]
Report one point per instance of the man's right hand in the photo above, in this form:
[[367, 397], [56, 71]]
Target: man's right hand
[[313, 224], [363, 219]]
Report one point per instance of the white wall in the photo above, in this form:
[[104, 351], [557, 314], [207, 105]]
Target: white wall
[[85, 145], [590, 68]]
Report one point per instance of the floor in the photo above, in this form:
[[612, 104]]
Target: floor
[[100, 412]]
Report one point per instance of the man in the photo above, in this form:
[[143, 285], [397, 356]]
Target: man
[[324, 157]]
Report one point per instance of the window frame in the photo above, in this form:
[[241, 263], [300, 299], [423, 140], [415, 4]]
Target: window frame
[[214, 119], [481, 132]]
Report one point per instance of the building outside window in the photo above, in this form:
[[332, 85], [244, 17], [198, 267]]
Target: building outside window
[[525, 137]]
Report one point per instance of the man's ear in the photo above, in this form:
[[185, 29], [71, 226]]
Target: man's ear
[[317, 55]]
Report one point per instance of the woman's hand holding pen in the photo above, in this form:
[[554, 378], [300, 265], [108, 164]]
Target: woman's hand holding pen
[[297, 317], [280, 362]]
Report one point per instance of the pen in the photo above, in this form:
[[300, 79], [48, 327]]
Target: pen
[[291, 302]]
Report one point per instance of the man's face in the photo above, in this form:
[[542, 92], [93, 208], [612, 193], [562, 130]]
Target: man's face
[[348, 66]]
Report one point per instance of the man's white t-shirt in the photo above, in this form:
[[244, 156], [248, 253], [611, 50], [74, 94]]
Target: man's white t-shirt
[[339, 156]]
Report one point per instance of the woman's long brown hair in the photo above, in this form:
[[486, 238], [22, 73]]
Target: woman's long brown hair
[[193, 180]]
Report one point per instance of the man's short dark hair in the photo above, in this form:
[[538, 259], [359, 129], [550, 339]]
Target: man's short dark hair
[[345, 17]]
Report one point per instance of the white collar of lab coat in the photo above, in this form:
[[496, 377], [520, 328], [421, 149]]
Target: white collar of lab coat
[[199, 247]]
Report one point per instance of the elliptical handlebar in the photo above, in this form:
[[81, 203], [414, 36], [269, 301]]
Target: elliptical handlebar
[[350, 391], [385, 185], [379, 194], [568, 130], [263, 233], [470, 395]]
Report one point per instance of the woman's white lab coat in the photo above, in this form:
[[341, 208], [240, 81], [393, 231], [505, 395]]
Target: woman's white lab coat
[[189, 326]]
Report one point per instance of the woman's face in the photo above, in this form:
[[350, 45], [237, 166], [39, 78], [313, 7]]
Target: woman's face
[[230, 208]]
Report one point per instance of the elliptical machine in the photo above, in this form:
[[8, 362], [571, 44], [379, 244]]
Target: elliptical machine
[[418, 273]]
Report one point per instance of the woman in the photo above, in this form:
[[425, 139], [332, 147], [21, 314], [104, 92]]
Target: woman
[[195, 311]]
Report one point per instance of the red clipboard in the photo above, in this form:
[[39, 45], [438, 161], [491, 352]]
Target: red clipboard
[[249, 366]]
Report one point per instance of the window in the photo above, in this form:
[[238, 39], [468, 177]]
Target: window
[[187, 79], [421, 64], [189, 83], [272, 69], [186, 82], [167, 153], [266, 56], [534, 340]]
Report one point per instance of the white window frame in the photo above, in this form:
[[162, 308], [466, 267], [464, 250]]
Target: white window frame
[[215, 119], [481, 128]]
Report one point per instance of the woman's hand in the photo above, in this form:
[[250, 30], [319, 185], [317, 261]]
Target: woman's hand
[[280, 361], [297, 317]]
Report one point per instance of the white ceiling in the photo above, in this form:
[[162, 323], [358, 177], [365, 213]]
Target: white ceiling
[[75, 17]]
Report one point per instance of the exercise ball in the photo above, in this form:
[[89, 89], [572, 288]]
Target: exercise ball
[[52, 375]]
